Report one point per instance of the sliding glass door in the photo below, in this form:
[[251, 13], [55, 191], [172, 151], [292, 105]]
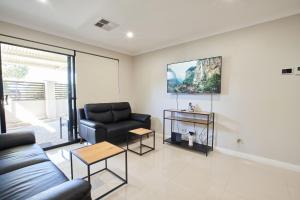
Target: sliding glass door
[[36, 94]]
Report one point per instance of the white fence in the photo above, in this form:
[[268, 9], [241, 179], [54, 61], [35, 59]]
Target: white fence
[[27, 110]]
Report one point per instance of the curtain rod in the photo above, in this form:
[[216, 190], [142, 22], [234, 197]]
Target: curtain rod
[[51, 45]]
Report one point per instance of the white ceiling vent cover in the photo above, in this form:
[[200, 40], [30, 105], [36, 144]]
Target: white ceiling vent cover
[[106, 24]]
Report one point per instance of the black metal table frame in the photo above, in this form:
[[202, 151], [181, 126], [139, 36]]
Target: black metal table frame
[[210, 120], [141, 143], [124, 181]]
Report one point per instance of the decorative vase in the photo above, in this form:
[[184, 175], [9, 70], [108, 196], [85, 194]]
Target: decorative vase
[[191, 140]]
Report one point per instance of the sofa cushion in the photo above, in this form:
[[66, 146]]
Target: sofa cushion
[[100, 112], [121, 111], [122, 127], [21, 156], [77, 189], [16, 139], [28, 181]]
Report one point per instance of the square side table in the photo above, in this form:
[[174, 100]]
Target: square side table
[[140, 132], [93, 154]]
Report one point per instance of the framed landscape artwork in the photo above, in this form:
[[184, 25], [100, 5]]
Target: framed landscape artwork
[[195, 77]]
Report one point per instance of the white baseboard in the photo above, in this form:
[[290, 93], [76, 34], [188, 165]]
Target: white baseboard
[[260, 159]]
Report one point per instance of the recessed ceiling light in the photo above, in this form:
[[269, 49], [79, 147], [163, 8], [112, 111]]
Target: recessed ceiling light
[[129, 34], [43, 1]]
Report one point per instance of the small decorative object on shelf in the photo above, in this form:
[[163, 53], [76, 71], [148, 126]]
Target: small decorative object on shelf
[[201, 118], [191, 138], [191, 107]]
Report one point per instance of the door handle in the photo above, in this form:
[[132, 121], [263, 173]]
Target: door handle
[[6, 99]]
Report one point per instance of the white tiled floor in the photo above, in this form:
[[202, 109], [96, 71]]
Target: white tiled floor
[[47, 133], [173, 173]]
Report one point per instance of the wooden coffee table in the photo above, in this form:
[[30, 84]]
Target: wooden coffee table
[[92, 154], [140, 132]]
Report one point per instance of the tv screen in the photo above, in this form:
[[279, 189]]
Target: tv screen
[[196, 76]]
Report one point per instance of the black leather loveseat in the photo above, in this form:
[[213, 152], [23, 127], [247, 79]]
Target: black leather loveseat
[[110, 122], [27, 173]]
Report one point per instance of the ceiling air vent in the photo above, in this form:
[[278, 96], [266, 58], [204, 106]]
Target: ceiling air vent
[[106, 24]]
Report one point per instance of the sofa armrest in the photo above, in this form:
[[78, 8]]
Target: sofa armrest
[[140, 117], [70, 190], [8, 140], [92, 124]]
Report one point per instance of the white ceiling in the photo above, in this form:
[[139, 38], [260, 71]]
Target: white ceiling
[[155, 23]]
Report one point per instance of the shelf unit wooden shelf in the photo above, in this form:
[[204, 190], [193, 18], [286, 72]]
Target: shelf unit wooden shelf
[[190, 120], [207, 119]]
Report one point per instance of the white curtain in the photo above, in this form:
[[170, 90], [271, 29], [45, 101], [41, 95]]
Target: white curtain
[[96, 79]]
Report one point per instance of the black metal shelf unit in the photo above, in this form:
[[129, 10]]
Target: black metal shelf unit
[[207, 119]]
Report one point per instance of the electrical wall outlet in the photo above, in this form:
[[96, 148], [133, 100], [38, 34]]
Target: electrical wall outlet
[[287, 71]]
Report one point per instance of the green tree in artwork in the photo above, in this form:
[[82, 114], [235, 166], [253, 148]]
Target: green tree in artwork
[[213, 83], [14, 71]]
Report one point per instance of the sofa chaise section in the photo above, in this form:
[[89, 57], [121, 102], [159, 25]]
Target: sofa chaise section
[[27, 173]]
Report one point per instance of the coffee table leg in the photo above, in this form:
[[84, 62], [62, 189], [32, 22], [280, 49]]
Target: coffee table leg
[[127, 140], [126, 168], [71, 160], [141, 137], [105, 163], [153, 140], [89, 173]]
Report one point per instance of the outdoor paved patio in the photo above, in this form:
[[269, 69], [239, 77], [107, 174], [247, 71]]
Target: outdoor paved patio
[[47, 133]]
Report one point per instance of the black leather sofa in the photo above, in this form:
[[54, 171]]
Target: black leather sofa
[[27, 173], [110, 122]]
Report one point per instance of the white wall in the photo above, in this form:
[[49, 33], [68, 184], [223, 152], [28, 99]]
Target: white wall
[[61, 108], [22, 111], [257, 103], [125, 60]]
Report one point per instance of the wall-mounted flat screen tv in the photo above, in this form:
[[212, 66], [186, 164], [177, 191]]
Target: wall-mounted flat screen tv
[[196, 76]]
